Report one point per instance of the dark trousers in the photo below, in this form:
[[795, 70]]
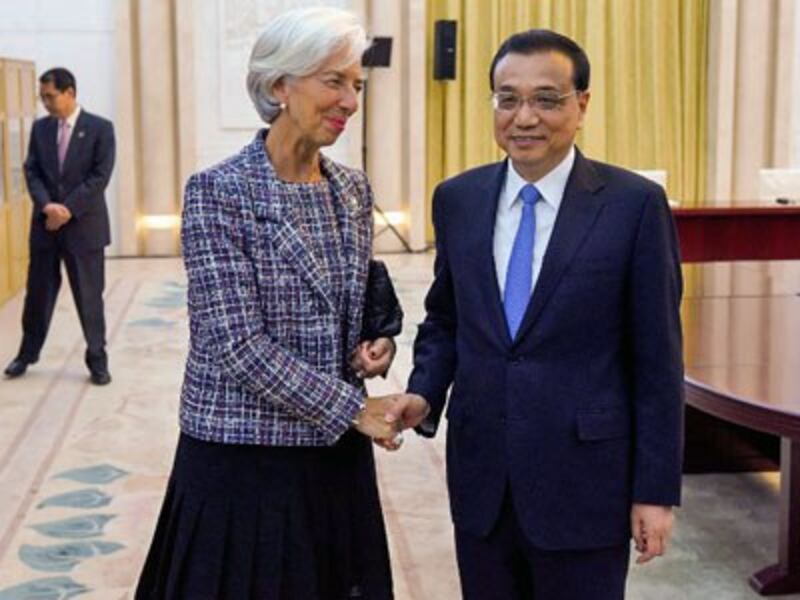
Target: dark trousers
[[86, 274], [506, 566]]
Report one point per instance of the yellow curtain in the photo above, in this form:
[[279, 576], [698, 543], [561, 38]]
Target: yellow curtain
[[648, 84]]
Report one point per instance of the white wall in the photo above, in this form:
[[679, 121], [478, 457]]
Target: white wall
[[78, 35]]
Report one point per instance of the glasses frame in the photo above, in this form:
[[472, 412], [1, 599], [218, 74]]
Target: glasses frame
[[531, 101]]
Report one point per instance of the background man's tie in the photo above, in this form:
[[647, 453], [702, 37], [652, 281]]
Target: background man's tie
[[64, 134], [517, 292]]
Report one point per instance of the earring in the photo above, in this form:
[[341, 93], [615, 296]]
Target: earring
[[282, 105]]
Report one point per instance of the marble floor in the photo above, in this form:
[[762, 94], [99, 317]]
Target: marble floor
[[83, 468]]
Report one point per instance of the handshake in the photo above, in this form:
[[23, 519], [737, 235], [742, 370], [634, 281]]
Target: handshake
[[384, 418]]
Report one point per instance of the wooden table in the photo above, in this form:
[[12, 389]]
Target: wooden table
[[739, 233], [741, 324]]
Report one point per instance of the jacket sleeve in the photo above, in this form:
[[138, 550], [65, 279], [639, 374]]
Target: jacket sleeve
[[224, 301], [656, 341], [435, 345], [96, 180], [34, 176]]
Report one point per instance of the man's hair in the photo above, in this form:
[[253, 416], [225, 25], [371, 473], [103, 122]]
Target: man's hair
[[535, 41], [61, 79]]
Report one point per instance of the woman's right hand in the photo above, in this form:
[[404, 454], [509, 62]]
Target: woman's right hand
[[372, 422]]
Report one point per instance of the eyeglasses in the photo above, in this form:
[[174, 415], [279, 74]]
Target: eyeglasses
[[542, 102]]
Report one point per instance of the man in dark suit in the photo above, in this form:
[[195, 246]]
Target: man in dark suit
[[554, 314], [69, 163]]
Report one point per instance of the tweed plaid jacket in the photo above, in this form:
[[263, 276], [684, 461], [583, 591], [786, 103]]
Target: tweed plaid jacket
[[266, 362]]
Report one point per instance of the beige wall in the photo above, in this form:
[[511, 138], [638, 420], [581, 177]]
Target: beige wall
[[753, 89], [754, 82], [181, 81], [396, 122], [149, 128], [173, 115], [795, 109]]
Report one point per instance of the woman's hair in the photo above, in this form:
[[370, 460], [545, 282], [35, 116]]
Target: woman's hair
[[297, 43]]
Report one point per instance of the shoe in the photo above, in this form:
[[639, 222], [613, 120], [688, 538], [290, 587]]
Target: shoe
[[16, 368], [100, 377]]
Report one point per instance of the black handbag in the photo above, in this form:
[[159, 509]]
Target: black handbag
[[383, 316]]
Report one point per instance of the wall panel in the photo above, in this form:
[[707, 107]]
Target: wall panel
[[17, 112]]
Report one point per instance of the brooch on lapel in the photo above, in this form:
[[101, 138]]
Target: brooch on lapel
[[81, 133]]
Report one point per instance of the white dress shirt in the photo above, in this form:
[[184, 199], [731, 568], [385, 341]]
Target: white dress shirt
[[71, 120], [509, 214]]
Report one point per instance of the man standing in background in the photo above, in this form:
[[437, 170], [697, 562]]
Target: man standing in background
[[69, 164]]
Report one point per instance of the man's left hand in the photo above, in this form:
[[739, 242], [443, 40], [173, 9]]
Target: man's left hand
[[57, 217], [373, 357], [651, 527]]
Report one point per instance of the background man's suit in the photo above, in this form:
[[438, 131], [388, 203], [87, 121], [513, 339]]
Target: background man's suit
[[581, 414], [80, 186]]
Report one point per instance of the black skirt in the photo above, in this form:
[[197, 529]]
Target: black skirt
[[242, 522]]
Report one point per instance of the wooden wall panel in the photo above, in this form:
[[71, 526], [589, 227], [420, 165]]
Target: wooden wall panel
[[4, 167], [17, 113], [18, 236], [18, 228], [5, 259]]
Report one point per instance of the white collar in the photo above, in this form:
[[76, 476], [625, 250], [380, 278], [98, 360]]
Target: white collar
[[73, 118], [551, 186]]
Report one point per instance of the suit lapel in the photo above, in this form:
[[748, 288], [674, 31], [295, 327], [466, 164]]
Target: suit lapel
[[50, 146], [485, 210], [576, 216], [270, 204], [353, 216]]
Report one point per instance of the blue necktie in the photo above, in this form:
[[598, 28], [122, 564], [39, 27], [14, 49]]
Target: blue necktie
[[517, 292]]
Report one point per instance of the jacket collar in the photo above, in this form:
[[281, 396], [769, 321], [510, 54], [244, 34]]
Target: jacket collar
[[579, 209], [274, 205], [576, 217]]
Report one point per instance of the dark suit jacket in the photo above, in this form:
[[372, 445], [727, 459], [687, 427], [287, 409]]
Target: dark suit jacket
[[582, 414], [81, 185]]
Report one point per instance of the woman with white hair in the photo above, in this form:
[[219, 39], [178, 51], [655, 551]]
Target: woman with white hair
[[273, 492]]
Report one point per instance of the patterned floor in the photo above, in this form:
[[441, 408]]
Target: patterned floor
[[83, 469]]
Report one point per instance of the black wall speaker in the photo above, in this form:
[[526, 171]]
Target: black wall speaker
[[379, 53], [444, 50]]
